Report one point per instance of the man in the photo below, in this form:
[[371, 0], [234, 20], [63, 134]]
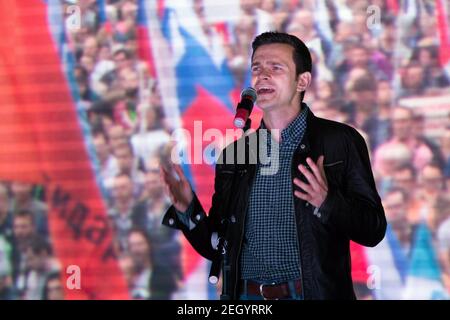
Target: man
[[150, 280], [148, 214], [288, 232], [121, 211]]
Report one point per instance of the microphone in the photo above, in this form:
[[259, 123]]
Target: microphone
[[244, 107]]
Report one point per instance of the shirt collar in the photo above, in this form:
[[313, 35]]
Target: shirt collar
[[295, 129]]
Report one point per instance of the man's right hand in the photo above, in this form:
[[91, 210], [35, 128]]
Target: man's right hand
[[179, 190]]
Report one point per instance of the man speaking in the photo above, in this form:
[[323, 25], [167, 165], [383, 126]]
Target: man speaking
[[284, 235]]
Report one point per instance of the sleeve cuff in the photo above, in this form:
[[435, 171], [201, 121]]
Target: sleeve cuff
[[194, 214], [185, 217]]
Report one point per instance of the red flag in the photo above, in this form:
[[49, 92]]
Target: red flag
[[359, 263], [42, 143], [393, 6], [144, 49], [444, 36]]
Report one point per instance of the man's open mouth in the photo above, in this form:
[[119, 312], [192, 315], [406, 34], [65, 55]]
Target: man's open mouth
[[265, 90]]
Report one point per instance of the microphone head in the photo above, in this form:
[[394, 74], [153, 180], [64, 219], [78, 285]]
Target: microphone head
[[249, 93]]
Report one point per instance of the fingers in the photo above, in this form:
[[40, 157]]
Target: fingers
[[167, 176], [180, 172], [169, 192], [322, 169], [315, 171], [310, 177], [318, 171], [315, 190], [303, 196], [305, 187]]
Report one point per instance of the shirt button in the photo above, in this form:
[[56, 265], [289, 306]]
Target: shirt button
[[198, 217], [171, 221], [319, 214], [233, 219], [307, 204], [302, 146]]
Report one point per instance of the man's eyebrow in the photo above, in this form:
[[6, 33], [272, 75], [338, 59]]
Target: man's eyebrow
[[256, 63], [276, 62]]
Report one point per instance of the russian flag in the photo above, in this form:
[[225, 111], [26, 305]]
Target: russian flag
[[43, 143], [163, 57], [199, 90], [424, 280]]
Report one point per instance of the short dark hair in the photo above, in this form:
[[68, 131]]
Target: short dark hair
[[124, 51], [40, 245], [300, 55], [24, 213]]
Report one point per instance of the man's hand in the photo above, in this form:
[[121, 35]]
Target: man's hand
[[316, 191], [179, 190]]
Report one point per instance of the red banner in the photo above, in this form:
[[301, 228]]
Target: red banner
[[42, 143]]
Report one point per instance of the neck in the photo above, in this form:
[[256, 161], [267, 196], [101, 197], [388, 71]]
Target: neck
[[279, 118]]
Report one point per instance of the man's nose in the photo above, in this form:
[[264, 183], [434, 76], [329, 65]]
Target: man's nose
[[264, 74]]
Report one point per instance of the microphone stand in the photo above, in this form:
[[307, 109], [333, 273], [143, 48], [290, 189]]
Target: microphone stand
[[226, 268], [222, 261]]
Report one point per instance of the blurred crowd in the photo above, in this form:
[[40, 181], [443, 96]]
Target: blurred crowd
[[363, 74]]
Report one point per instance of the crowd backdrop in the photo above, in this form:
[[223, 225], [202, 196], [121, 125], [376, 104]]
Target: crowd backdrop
[[94, 93]]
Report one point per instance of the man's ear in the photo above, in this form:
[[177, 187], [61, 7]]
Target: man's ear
[[303, 81]]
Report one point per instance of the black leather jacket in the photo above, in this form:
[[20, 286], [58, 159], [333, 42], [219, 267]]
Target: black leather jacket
[[351, 211]]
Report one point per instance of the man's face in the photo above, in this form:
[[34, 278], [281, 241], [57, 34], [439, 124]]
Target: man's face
[[414, 77], [23, 228], [124, 159], [274, 77], [101, 147], [4, 203], [431, 180], [123, 188], [116, 136], [402, 124], [55, 290], [90, 47], [138, 247], [121, 61], [384, 93], [358, 57], [364, 100], [21, 191], [153, 184], [404, 179], [394, 207]]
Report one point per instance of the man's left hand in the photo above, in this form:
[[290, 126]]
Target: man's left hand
[[316, 190]]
